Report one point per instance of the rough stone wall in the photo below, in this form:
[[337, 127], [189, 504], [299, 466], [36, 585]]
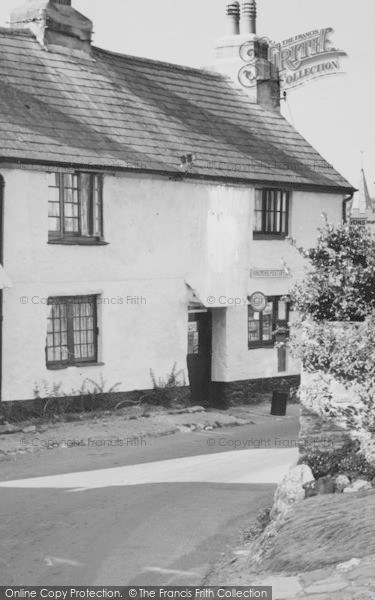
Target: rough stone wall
[[318, 433], [23, 410], [223, 395], [231, 393]]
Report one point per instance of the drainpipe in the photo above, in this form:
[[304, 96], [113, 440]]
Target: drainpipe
[[1, 291], [344, 203]]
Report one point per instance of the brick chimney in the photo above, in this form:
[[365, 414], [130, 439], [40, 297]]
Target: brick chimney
[[56, 24], [244, 56]]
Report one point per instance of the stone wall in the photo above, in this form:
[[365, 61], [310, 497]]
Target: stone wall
[[23, 410], [320, 433], [225, 394]]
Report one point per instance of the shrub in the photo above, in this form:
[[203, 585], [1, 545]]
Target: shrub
[[257, 527], [348, 460], [163, 392], [87, 398], [340, 283], [346, 353]]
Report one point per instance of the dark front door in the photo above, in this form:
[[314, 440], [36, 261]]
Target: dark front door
[[199, 355]]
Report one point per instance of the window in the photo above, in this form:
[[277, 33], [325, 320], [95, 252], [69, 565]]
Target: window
[[262, 325], [271, 213], [72, 331], [75, 207]]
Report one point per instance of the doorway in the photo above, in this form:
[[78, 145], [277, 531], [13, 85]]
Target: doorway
[[199, 354]]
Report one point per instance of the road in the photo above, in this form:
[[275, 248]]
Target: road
[[160, 514]]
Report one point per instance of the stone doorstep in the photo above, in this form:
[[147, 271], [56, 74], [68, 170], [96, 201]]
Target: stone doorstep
[[290, 588], [319, 597], [313, 576], [283, 588], [350, 594], [327, 586], [360, 593], [363, 572], [356, 584]]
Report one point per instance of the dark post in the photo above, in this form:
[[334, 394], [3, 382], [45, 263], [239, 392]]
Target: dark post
[[279, 402]]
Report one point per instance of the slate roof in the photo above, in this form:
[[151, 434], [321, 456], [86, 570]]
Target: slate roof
[[122, 112]]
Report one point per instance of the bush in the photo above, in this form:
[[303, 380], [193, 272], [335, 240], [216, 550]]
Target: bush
[[257, 527], [90, 396], [164, 391], [340, 285], [347, 353], [346, 461]]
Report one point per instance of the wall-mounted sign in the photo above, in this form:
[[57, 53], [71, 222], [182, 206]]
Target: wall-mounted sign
[[270, 273], [258, 301]]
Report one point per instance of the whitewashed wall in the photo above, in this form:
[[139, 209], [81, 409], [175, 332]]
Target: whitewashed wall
[[235, 362], [162, 235]]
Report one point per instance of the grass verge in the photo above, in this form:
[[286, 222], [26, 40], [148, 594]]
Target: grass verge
[[318, 532]]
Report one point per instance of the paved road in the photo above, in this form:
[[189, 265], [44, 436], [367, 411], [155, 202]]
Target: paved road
[[157, 514]]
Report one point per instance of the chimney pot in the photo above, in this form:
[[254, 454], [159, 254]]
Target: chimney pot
[[233, 17], [248, 17]]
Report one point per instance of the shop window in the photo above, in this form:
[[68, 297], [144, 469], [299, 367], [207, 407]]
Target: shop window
[[263, 325]]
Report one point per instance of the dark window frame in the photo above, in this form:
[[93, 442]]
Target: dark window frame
[[265, 232], [276, 323], [78, 237], [72, 360]]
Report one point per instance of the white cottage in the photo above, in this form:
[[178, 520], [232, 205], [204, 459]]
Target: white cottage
[[142, 204]]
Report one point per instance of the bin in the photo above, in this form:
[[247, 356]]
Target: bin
[[279, 402]]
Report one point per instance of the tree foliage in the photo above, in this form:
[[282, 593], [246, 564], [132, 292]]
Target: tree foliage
[[339, 287], [339, 284]]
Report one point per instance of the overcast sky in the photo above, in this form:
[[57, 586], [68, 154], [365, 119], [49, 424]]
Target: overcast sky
[[335, 114]]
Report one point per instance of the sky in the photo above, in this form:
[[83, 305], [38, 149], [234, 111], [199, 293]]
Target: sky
[[335, 114]]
